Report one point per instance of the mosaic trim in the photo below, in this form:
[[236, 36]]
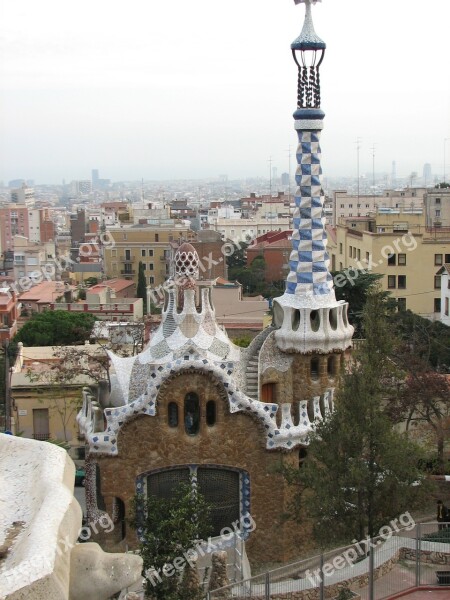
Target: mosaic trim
[[287, 436]]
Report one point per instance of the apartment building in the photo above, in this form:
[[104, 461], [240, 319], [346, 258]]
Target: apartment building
[[23, 195], [437, 208], [397, 244], [43, 408], [13, 221], [32, 259], [275, 248], [349, 205], [248, 229], [149, 244], [41, 228], [9, 314]]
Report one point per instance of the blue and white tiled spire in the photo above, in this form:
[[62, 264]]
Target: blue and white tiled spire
[[308, 316], [309, 260]]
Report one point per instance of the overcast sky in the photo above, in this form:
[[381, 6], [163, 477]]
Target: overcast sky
[[172, 89]]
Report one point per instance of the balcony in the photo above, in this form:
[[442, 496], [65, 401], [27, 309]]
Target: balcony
[[127, 272], [42, 437], [127, 259]]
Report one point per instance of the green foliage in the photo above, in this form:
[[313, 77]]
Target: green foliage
[[428, 340], [155, 310], [359, 473], [345, 594], [60, 443], [442, 536], [171, 527], [242, 342], [253, 279], [91, 281], [142, 286], [354, 288], [238, 258], [56, 328]]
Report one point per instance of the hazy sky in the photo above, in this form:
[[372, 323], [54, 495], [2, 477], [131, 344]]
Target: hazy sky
[[176, 89]]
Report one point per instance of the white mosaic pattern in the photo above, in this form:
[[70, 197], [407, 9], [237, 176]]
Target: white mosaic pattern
[[286, 436], [271, 358]]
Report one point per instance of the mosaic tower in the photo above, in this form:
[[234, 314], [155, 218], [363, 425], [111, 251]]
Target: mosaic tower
[[308, 315]]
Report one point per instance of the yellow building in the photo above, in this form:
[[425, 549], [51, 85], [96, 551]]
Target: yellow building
[[149, 244], [397, 244], [44, 407]]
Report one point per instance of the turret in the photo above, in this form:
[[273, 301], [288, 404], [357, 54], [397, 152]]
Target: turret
[[308, 316]]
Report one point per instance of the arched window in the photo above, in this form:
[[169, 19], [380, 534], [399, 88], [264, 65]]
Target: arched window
[[226, 490], [173, 414], [302, 454], [331, 366], [191, 413], [210, 413], [315, 368]]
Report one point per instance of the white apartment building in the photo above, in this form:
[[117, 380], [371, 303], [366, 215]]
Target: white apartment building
[[444, 274], [34, 226], [247, 229], [32, 260]]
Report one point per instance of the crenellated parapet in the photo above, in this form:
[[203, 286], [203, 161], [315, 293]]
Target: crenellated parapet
[[293, 430], [306, 329]]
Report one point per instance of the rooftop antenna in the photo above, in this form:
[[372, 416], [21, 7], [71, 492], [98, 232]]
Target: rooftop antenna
[[289, 171], [358, 147], [373, 167], [270, 176]]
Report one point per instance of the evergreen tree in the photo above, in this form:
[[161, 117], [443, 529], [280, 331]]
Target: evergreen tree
[[354, 286], [359, 473], [56, 328], [142, 286], [171, 529]]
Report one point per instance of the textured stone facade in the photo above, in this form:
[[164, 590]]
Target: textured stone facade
[[235, 440]]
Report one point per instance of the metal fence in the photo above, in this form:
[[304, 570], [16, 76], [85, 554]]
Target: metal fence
[[400, 558]]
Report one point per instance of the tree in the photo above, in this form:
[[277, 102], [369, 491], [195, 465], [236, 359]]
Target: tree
[[354, 286], [171, 528], [142, 286], [237, 260], [56, 328], [76, 361], [424, 397], [424, 339], [253, 279], [360, 473], [89, 281]]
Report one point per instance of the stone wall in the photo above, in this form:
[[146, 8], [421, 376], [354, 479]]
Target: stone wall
[[426, 556], [297, 383], [235, 440]]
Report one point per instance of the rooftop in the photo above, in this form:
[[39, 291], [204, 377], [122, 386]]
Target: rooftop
[[115, 284], [47, 291]]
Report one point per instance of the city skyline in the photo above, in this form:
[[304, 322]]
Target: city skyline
[[182, 90]]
